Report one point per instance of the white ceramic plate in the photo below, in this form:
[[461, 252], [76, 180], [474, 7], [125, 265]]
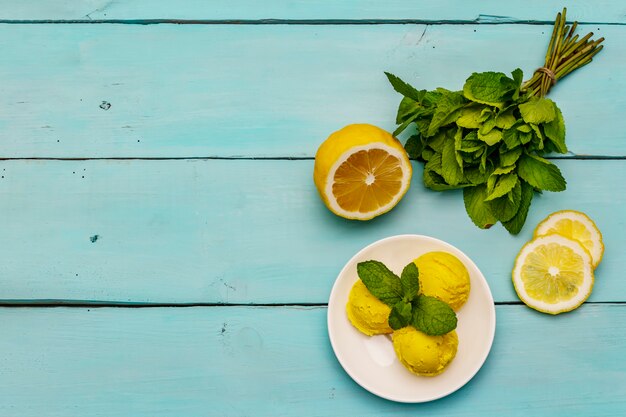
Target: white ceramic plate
[[371, 361]]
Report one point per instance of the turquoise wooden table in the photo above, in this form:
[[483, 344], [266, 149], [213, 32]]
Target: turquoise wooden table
[[165, 252]]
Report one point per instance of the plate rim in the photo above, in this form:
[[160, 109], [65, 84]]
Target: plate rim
[[456, 387]]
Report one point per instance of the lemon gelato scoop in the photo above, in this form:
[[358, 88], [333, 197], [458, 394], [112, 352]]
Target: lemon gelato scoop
[[423, 354], [443, 276], [366, 312]]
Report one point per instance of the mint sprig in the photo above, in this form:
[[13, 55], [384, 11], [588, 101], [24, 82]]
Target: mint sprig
[[428, 314], [489, 139]]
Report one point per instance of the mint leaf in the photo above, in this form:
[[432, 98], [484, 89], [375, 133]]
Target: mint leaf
[[405, 124], [525, 137], [518, 77], [514, 226], [408, 107], [485, 114], [431, 98], [538, 110], [380, 281], [511, 138], [505, 207], [400, 315], [435, 182], [503, 185], [486, 126], [477, 209], [540, 173], [537, 140], [422, 125], [436, 142], [484, 150], [503, 170], [414, 147], [433, 164], [410, 281], [510, 157], [475, 176], [491, 183], [467, 149], [505, 119], [432, 316], [470, 142], [448, 110], [483, 160], [536, 131], [489, 88], [404, 88], [468, 118], [458, 138], [450, 169], [555, 131], [494, 136]]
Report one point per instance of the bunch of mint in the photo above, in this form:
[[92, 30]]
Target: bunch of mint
[[488, 139], [428, 314]]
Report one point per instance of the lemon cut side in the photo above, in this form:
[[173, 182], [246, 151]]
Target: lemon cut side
[[553, 274], [361, 172], [577, 226]]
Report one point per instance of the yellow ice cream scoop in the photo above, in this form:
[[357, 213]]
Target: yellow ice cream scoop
[[443, 276], [423, 354], [366, 312]]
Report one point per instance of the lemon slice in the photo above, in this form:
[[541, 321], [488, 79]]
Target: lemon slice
[[361, 172], [574, 225], [553, 274]]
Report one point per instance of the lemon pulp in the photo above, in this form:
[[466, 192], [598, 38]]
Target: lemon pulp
[[367, 180], [552, 273]]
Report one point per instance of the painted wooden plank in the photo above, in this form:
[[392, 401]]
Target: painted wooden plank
[[608, 11], [244, 231], [232, 361], [264, 90]]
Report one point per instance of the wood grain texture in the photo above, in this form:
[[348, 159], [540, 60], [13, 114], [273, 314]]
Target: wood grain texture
[[254, 231], [266, 90], [246, 231], [239, 362], [607, 11]]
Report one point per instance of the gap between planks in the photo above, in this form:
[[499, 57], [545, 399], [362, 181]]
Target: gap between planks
[[260, 158], [481, 20], [108, 304]]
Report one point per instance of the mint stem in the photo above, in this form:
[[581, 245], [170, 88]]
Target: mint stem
[[566, 53]]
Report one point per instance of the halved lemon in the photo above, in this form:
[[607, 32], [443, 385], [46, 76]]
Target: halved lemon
[[361, 172], [574, 225], [553, 274]]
